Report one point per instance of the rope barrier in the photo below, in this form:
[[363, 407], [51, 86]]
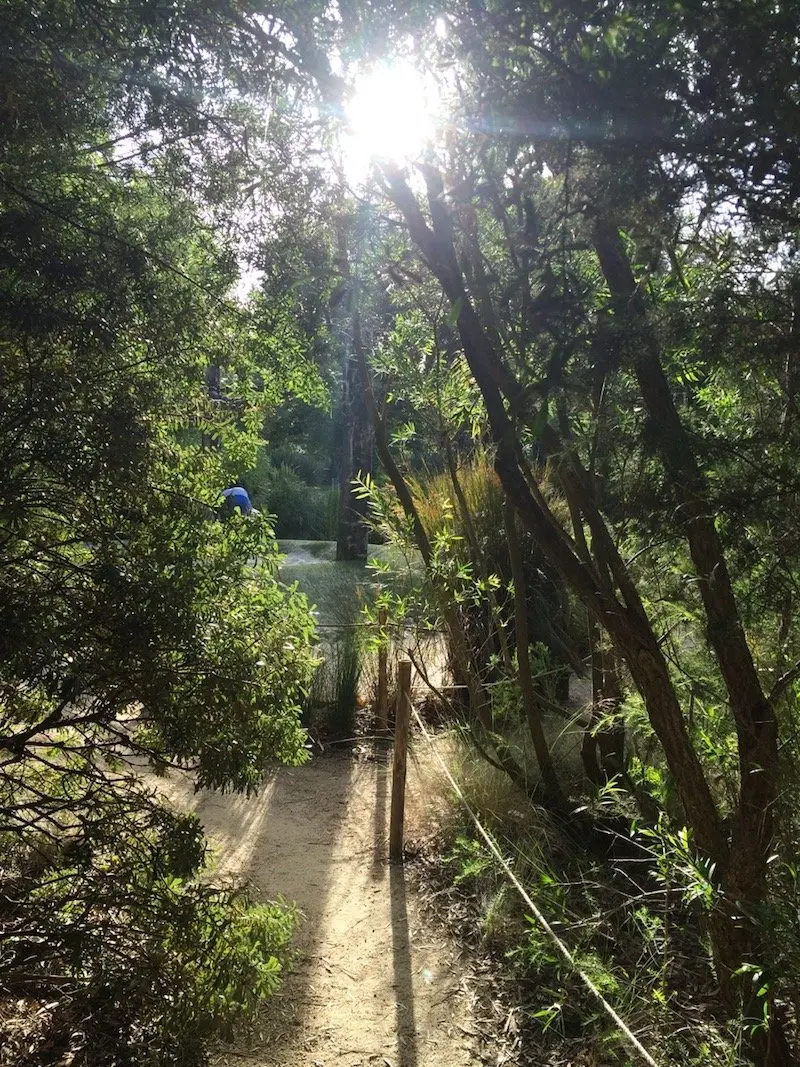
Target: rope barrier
[[621, 1025]]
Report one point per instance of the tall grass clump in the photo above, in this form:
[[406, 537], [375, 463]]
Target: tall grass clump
[[469, 520], [347, 676], [332, 701]]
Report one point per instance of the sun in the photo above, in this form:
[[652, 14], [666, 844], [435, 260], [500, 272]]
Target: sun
[[391, 116]]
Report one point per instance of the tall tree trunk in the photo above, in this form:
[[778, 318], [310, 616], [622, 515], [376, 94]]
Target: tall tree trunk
[[791, 366], [603, 747], [533, 711], [791, 384], [352, 530], [622, 616], [744, 876]]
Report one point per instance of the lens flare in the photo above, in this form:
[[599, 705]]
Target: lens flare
[[391, 116]]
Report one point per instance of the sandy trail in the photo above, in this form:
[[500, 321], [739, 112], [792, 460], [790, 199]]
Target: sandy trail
[[374, 984]]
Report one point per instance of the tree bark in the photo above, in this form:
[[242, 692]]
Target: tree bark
[[533, 712], [754, 718], [603, 747], [756, 726], [352, 530]]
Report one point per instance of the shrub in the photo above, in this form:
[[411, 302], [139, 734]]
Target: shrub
[[346, 665], [642, 948], [113, 949], [131, 627], [303, 512]]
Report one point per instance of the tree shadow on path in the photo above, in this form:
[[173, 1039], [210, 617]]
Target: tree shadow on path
[[403, 972], [402, 969], [372, 983], [284, 842]]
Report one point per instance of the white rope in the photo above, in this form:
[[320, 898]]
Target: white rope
[[629, 1035]]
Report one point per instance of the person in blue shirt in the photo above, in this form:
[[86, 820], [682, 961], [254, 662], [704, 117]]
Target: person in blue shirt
[[236, 497]]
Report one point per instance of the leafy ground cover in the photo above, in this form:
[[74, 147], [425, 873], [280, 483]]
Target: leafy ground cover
[[636, 936]]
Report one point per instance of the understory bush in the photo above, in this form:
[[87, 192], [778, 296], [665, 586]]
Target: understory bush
[[631, 918], [303, 511], [114, 949]]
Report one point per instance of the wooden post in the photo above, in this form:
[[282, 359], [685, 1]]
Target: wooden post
[[383, 675], [402, 720]]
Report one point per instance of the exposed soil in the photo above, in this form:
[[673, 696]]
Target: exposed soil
[[374, 983]]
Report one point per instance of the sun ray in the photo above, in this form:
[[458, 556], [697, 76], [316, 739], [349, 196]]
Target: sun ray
[[391, 116]]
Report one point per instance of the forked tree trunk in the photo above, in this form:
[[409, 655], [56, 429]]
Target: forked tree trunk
[[744, 876], [620, 611]]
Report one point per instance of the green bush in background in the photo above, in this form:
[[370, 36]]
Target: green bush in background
[[303, 511]]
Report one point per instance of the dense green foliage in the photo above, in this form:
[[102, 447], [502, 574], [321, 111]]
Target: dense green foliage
[[593, 268], [136, 629]]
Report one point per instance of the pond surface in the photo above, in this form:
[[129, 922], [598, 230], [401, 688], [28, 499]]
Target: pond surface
[[307, 553], [338, 591]]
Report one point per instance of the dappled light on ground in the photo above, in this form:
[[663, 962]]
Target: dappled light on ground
[[374, 984]]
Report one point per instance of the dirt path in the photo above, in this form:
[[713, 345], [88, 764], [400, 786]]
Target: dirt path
[[375, 985]]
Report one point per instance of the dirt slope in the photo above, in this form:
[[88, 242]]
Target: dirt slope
[[374, 984]]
